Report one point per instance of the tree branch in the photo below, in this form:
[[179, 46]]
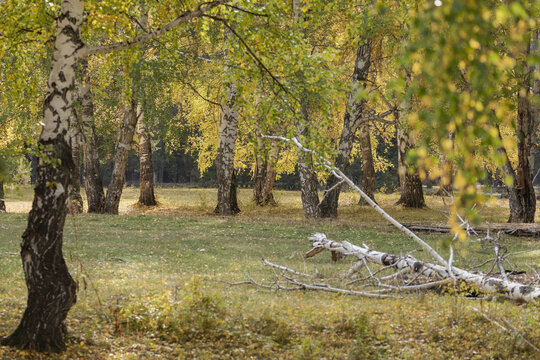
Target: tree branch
[[251, 53], [182, 19]]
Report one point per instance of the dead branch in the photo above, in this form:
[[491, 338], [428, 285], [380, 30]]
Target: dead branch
[[485, 283]]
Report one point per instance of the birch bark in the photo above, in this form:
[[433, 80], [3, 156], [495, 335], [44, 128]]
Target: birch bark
[[121, 154], [146, 183], [355, 108], [368, 169], [51, 289], [93, 184], [412, 194], [227, 203], [522, 199], [308, 178]]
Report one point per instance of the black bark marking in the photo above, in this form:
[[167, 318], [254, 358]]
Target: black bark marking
[[388, 259]]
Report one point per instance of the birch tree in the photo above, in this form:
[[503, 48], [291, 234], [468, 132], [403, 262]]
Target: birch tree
[[93, 183], [308, 178], [146, 183], [355, 108], [51, 289], [121, 154], [227, 202], [522, 198]]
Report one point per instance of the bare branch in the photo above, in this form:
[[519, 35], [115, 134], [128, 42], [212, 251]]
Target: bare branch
[[281, 267]]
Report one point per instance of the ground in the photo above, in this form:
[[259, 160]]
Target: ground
[[151, 285]]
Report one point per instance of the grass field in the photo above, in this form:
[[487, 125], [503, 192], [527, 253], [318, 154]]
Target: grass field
[[150, 285]]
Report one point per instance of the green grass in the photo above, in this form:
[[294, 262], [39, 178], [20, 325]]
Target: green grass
[[150, 285]]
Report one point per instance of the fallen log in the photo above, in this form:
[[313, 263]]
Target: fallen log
[[484, 283]]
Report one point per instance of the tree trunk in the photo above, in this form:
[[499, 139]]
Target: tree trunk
[[51, 289], [121, 154], [75, 199], [93, 184], [308, 177], [522, 198], [270, 175], [412, 194], [2, 195], [146, 183], [261, 164], [535, 104], [447, 171], [265, 173], [368, 170], [227, 202], [355, 108]]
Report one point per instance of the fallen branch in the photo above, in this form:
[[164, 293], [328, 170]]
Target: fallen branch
[[487, 284], [442, 270], [524, 230]]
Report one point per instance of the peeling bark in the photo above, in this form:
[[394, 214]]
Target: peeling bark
[[146, 183], [353, 113], [93, 184], [121, 154], [51, 289], [227, 202]]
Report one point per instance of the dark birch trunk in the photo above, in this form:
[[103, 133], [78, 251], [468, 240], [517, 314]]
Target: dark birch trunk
[[121, 154], [353, 114], [412, 194], [265, 173], [51, 289], [146, 183], [2, 195], [308, 178], [227, 202], [270, 175], [93, 183], [75, 199], [522, 198], [261, 162], [368, 169]]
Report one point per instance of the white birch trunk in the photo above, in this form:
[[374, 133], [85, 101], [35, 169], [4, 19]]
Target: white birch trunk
[[228, 130], [51, 289]]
